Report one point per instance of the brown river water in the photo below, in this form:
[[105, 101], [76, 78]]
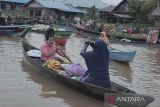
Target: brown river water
[[22, 86]]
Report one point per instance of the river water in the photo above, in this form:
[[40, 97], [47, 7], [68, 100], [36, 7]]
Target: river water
[[22, 86]]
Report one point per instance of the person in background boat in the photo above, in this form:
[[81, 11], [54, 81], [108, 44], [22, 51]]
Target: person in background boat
[[159, 35], [9, 20], [49, 47], [117, 24], [50, 30], [129, 30], [146, 31], [155, 36], [3, 20], [97, 62], [99, 28], [119, 28], [152, 36]]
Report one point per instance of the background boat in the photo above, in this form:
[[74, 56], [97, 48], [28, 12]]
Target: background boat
[[136, 38], [15, 30], [121, 56], [84, 31], [62, 33], [61, 40], [59, 29]]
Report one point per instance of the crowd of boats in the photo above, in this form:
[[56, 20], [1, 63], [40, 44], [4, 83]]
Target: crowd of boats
[[62, 33]]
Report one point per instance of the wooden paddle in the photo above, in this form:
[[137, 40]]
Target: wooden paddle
[[65, 56], [113, 48]]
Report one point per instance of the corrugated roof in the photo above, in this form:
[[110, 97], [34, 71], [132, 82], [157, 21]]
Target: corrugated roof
[[58, 5], [156, 12], [73, 9], [108, 9], [123, 1], [16, 1], [52, 4], [123, 15], [86, 3]]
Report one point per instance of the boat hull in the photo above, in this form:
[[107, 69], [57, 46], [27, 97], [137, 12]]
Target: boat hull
[[61, 41], [122, 56], [132, 39], [17, 30], [84, 31], [62, 33]]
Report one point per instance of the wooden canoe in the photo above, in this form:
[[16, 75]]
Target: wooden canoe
[[60, 40], [121, 56], [133, 38], [85, 88], [84, 31], [62, 33], [139, 44], [16, 30]]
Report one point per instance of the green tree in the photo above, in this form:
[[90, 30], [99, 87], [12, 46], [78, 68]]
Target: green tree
[[148, 7], [142, 9], [135, 7], [92, 13]]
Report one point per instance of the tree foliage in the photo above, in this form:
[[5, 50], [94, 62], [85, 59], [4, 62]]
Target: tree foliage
[[135, 6], [148, 7], [142, 9], [92, 13]]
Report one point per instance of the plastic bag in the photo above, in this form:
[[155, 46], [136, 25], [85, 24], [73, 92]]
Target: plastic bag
[[74, 69]]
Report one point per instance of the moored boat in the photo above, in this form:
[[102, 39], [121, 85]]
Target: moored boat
[[84, 31], [85, 88], [134, 38], [121, 56], [61, 40], [15, 30], [62, 33]]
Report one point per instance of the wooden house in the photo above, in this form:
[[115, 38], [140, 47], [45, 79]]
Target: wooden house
[[12, 5], [122, 7], [119, 13], [47, 9]]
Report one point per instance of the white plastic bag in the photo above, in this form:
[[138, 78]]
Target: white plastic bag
[[34, 53]]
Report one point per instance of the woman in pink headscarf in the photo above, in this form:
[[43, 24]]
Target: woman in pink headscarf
[[152, 37]]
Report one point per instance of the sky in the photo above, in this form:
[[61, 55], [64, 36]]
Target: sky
[[112, 2]]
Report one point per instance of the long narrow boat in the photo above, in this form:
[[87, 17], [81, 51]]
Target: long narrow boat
[[121, 56], [60, 40], [139, 44], [91, 90], [132, 38], [127, 38], [84, 31], [62, 33], [15, 30]]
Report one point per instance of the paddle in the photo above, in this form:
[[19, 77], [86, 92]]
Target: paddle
[[112, 48], [65, 56]]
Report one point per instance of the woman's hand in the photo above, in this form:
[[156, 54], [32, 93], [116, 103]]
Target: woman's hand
[[60, 52], [87, 42], [92, 44]]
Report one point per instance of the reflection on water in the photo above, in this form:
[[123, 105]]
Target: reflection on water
[[52, 89], [34, 90], [121, 70]]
